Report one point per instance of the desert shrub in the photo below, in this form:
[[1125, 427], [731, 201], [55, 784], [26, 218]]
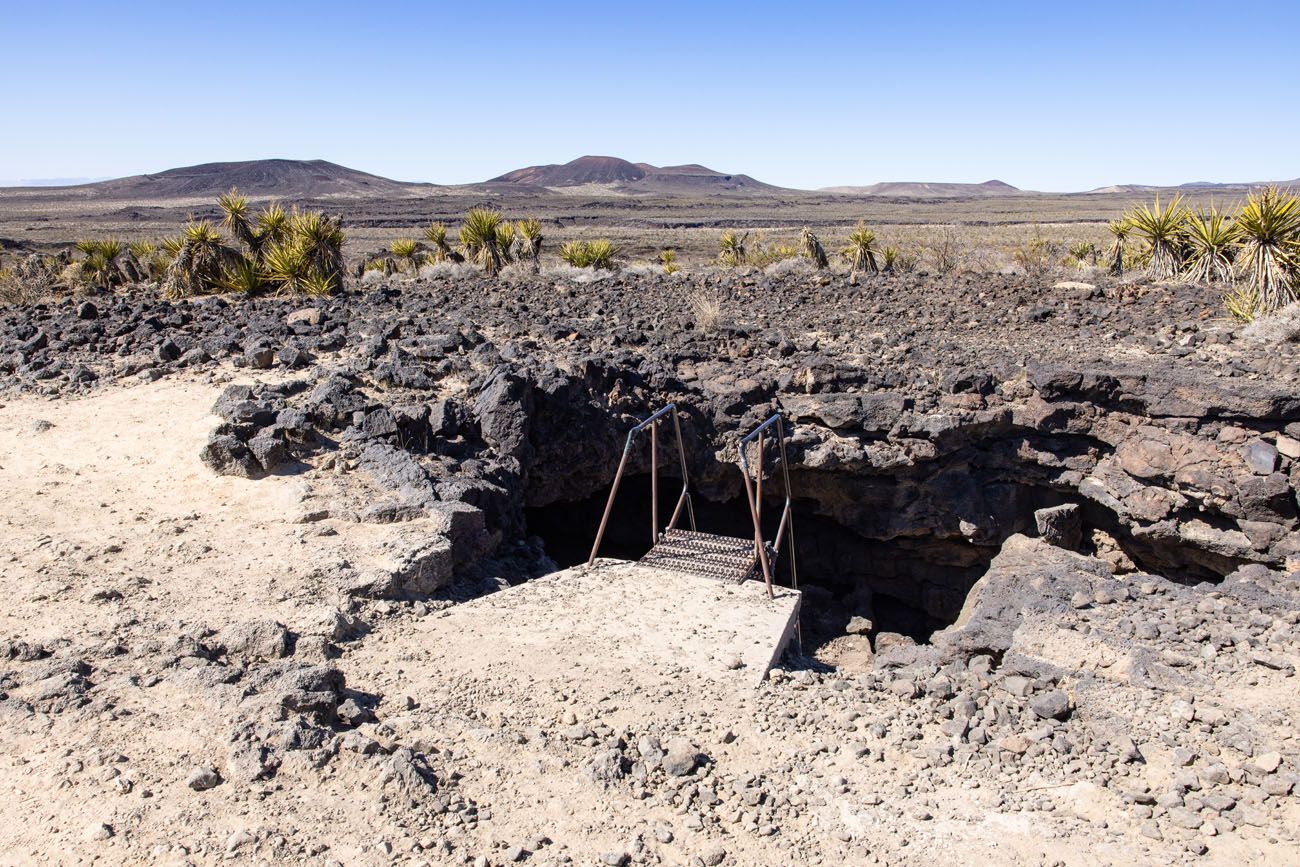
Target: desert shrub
[[16, 289], [761, 255], [1273, 328], [861, 251], [146, 259], [946, 252], [813, 249], [377, 277], [1211, 238], [900, 260], [1033, 257], [1269, 257], [795, 266], [478, 239], [574, 274], [449, 270], [731, 249], [668, 260], [1137, 257], [1162, 229], [1242, 303], [598, 254], [706, 307]]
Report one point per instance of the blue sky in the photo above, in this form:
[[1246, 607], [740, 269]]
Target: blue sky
[[1043, 95]]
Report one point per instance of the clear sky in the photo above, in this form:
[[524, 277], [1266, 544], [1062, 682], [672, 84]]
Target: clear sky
[[1044, 95]]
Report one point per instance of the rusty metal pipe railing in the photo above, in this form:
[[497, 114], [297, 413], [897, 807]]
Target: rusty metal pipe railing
[[684, 498], [785, 529], [654, 483]]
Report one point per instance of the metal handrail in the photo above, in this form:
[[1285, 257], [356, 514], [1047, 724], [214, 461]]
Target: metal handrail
[[683, 499], [786, 526]]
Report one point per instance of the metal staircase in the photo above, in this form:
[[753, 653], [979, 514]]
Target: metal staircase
[[725, 558]]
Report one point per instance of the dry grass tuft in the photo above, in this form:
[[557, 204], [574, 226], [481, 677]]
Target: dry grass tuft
[[707, 309], [1273, 329]]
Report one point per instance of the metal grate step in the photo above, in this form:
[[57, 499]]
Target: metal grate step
[[722, 557]]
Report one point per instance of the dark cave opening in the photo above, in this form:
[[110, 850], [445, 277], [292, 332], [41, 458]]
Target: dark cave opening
[[861, 586], [568, 528], [907, 586]]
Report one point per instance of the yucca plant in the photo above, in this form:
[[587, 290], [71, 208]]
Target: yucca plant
[[1163, 231], [574, 253], [1083, 254], [1211, 241], [408, 250], [321, 239], [171, 247], [731, 249], [1269, 255], [319, 285], [506, 240], [478, 238], [668, 259], [234, 207], [861, 251], [273, 224], [601, 253], [1243, 303], [1119, 230], [101, 267], [200, 261], [813, 249], [142, 250], [889, 258], [242, 275], [530, 241], [288, 266], [436, 234], [589, 254]]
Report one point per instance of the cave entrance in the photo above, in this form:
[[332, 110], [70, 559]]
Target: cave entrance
[[867, 581], [568, 529], [908, 587]]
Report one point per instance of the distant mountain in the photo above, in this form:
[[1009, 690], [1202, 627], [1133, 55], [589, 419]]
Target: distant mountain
[[289, 179], [619, 175], [918, 190], [1194, 187], [49, 182]]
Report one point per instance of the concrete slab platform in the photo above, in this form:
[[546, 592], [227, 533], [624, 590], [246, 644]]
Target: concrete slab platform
[[617, 616]]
